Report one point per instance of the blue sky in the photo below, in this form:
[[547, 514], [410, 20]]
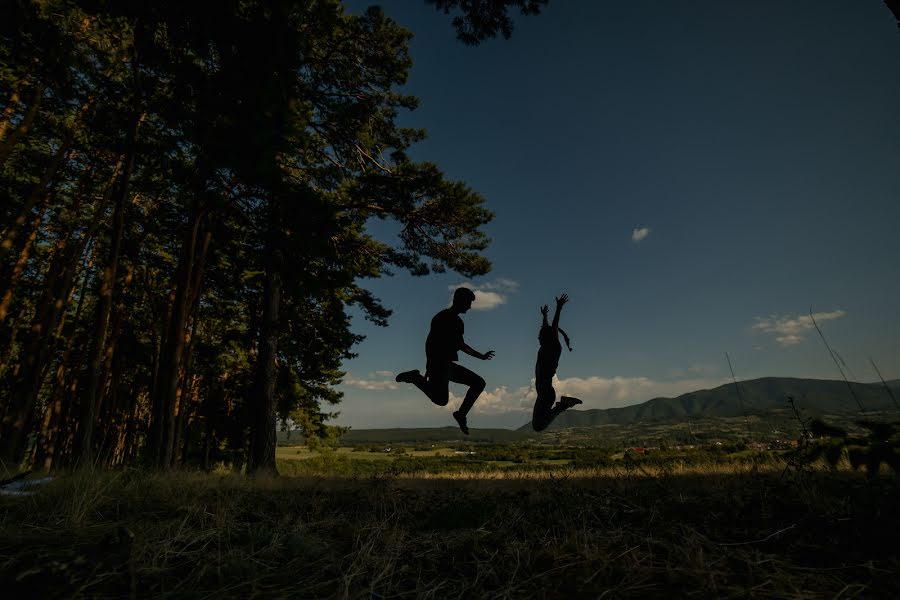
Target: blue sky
[[694, 175]]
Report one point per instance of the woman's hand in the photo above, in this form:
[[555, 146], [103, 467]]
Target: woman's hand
[[487, 355], [560, 300], [545, 310]]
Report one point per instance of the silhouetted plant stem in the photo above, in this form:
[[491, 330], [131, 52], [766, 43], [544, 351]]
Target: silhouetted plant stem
[[831, 352], [740, 397], [886, 386]]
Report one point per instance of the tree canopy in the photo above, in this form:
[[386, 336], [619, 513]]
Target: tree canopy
[[187, 189]]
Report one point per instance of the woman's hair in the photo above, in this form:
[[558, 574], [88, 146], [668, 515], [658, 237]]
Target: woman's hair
[[565, 337]]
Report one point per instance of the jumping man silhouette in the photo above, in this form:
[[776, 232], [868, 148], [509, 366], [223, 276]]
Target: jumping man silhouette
[[444, 340], [545, 369]]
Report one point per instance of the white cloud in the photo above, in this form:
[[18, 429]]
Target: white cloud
[[500, 400], [792, 330], [639, 233], [789, 340], [595, 392], [487, 300], [383, 374], [503, 284], [372, 384], [490, 294]]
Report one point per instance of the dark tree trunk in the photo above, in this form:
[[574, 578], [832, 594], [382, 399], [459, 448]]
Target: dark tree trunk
[[28, 377], [262, 411], [39, 191], [8, 144], [172, 352], [187, 385], [107, 409], [12, 277], [18, 268], [84, 452], [12, 106], [46, 448]]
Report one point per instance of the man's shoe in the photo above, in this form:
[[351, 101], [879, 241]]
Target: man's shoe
[[567, 402], [461, 419], [408, 376]]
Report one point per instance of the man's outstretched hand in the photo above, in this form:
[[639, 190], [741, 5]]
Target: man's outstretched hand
[[545, 310], [487, 355], [560, 300]]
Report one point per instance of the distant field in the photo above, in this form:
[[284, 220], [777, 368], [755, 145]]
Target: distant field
[[483, 458], [302, 452]]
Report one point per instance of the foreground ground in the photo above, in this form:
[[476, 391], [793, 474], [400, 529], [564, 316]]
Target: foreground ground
[[736, 532]]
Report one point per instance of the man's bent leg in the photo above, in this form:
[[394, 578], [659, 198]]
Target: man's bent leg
[[436, 384], [476, 384]]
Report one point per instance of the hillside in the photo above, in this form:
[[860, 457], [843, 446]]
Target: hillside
[[812, 396]]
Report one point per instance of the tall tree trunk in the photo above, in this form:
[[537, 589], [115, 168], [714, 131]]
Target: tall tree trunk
[[11, 106], [53, 418], [84, 448], [106, 408], [158, 339], [173, 346], [196, 286], [7, 342], [8, 144], [19, 267], [29, 374], [10, 279], [262, 419], [38, 192]]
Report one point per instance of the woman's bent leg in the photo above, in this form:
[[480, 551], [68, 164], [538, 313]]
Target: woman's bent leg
[[543, 406]]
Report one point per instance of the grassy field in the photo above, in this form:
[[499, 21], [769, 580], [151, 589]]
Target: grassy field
[[302, 453], [726, 530]]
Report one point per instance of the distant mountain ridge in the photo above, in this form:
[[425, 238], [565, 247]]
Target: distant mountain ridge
[[760, 396], [812, 396]]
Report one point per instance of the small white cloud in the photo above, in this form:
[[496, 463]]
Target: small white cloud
[[789, 330], [488, 295], [372, 384], [502, 284], [789, 340], [639, 233], [383, 374], [487, 300]]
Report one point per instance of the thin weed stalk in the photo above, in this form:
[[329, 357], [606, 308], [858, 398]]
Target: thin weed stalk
[[884, 383], [832, 353]]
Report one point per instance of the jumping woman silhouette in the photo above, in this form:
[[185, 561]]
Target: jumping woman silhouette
[[545, 368]]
